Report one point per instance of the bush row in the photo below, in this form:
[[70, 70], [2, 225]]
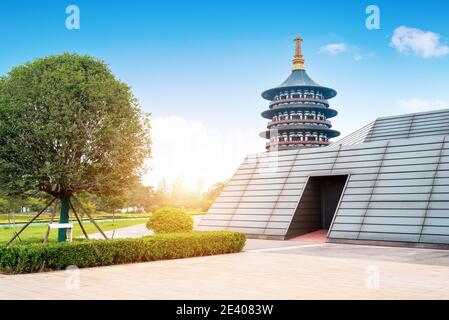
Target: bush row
[[92, 253]]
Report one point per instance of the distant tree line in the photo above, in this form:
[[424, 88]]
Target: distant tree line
[[179, 195], [138, 198]]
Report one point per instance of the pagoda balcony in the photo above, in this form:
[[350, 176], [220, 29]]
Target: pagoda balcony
[[304, 142], [326, 111], [302, 100], [301, 121]]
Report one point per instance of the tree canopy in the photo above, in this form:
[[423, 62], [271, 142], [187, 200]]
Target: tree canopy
[[68, 125]]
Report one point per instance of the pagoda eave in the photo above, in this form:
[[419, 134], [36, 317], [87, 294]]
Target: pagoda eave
[[330, 133], [271, 93], [294, 144], [328, 112]]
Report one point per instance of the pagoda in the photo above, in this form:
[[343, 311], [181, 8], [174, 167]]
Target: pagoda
[[299, 110]]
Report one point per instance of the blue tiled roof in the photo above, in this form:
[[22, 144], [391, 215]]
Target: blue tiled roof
[[298, 79]]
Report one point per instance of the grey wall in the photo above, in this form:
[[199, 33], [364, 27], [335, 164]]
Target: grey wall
[[413, 125], [260, 198], [398, 190], [400, 194], [424, 124], [357, 136]]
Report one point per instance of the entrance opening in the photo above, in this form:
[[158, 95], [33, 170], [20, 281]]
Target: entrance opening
[[317, 206]]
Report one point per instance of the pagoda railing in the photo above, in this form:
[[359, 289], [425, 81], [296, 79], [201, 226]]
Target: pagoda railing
[[272, 103], [305, 142], [296, 121]]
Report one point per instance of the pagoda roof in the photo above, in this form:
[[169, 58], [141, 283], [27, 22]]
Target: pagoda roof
[[298, 79]]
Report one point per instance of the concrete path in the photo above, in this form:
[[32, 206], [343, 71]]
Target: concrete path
[[136, 231], [348, 251], [267, 269], [247, 275]]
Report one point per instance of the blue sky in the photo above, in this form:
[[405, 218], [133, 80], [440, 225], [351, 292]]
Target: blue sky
[[205, 63]]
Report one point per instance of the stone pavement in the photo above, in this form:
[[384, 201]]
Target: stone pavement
[[352, 251], [266, 270]]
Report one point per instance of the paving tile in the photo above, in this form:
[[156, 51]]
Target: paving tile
[[247, 275]]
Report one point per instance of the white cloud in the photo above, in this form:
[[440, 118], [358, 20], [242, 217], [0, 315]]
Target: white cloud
[[418, 105], [334, 49], [358, 57], [424, 44], [190, 149]]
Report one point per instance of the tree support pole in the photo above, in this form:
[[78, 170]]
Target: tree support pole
[[91, 219], [47, 234], [30, 222], [78, 219]]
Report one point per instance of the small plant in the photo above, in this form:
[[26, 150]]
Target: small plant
[[170, 220]]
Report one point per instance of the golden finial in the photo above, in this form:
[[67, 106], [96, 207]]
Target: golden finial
[[298, 60]]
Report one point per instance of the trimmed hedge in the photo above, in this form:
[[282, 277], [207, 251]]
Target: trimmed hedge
[[170, 220], [93, 253]]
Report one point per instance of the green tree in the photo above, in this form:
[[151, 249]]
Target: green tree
[[177, 194], [88, 201], [185, 196], [112, 203], [143, 197], [35, 203], [67, 125], [4, 205], [162, 195], [209, 197]]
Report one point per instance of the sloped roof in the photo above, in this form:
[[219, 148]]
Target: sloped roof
[[298, 79], [397, 191], [405, 126]]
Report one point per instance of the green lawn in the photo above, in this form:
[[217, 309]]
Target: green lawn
[[37, 233], [45, 217]]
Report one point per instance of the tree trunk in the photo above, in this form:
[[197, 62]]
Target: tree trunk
[[63, 218]]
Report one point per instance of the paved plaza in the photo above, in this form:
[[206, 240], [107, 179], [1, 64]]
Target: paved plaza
[[265, 270]]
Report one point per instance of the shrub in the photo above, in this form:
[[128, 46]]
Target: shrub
[[92, 253], [170, 220]]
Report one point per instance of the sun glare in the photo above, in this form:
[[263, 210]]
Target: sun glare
[[203, 154]]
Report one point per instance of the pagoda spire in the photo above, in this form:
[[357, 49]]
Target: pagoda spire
[[298, 59]]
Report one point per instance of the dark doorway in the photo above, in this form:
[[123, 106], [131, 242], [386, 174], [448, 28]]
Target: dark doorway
[[317, 205]]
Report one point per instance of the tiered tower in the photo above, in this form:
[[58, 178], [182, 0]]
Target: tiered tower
[[299, 110]]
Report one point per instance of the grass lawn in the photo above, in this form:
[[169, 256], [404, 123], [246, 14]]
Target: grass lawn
[[45, 217], [36, 233]]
